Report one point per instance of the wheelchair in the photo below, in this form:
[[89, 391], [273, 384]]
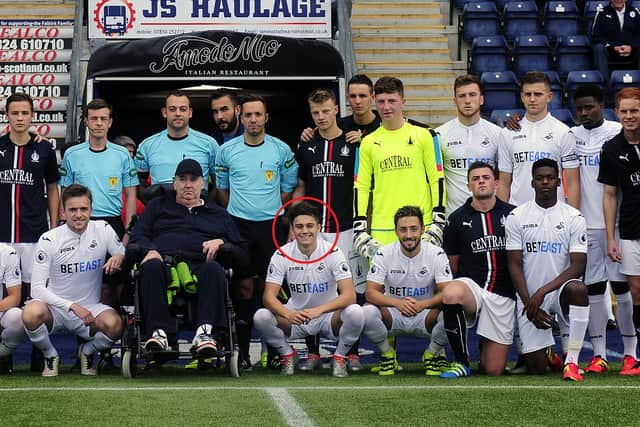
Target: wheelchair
[[182, 308]]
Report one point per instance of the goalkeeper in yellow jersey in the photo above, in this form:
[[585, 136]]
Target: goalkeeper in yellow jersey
[[401, 164]]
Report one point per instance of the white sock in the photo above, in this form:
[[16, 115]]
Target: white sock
[[12, 331], [265, 322], [352, 319], [40, 338], [578, 322], [608, 303], [438, 338], [598, 325], [99, 342], [374, 328], [625, 323]]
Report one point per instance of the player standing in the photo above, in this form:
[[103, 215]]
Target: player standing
[[620, 171], [466, 139], [546, 252]]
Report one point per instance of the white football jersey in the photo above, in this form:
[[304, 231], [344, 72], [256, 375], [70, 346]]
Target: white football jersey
[[9, 267], [410, 277], [546, 237], [67, 267], [311, 284], [462, 145], [518, 151], [589, 142]]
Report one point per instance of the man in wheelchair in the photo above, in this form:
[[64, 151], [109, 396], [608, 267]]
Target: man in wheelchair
[[202, 234]]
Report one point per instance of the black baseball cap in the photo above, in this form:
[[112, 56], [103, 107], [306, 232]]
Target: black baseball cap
[[189, 166]]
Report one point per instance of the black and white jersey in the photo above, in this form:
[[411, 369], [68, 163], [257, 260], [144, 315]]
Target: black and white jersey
[[24, 173], [620, 167], [68, 266], [478, 238], [546, 238], [327, 169], [410, 277], [347, 124], [310, 284]]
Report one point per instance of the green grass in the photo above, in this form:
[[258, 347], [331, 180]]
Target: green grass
[[174, 396]]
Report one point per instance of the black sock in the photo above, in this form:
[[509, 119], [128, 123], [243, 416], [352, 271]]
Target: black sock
[[354, 348], [636, 318], [243, 326], [456, 328], [313, 343]]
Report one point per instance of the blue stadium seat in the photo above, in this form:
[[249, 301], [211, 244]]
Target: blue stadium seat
[[621, 79], [556, 89], [501, 3], [501, 91], [479, 19], [577, 78], [573, 53], [520, 19], [563, 115], [460, 4], [488, 54], [531, 53], [610, 114], [591, 8], [635, 4], [561, 19], [500, 117]]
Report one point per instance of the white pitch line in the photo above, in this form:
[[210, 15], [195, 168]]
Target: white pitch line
[[291, 412], [569, 386]]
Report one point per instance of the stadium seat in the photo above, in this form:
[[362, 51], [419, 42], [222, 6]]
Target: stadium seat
[[501, 3], [520, 19], [460, 4], [610, 114], [621, 79], [561, 19], [573, 53], [591, 8], [531, 53], [479, 19], [488, 54], [563, 115], [500, 117], [556, 89], [635, 4], [577, 78], [501, 91]]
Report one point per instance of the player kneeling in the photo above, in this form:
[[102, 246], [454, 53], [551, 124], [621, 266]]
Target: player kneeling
[[401, 284], [11, 329], [66, 281], [322, 293]]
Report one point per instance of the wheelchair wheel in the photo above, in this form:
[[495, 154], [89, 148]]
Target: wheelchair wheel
[[235, 363], [129, 364]]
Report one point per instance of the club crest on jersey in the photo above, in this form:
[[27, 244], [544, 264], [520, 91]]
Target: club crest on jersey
[[93, 245], [268, 175], [423, 271], [560, 226], [113, 181], [35, 158], [548, 136], [485, 142], [344, 151], [41, 257], [321, 267]]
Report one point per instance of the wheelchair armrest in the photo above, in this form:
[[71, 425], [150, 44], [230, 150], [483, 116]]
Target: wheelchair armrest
[[156, 190]]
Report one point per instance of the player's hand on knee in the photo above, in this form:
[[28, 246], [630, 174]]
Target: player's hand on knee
[[298, 318], [82, 313], [210, 248], [407, 306], [152, 254], [363, 243], [533, 305], [542, 319], [114, 264]]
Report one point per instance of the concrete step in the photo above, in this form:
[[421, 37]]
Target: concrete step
[[396, 20], [432, 117], [404, 30], [409, 78], [424, 91], [395, 9], [427, 42], [402, 55], [378, 65], [427, 102]]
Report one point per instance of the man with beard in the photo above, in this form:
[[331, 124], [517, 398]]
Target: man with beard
[[226, 115]]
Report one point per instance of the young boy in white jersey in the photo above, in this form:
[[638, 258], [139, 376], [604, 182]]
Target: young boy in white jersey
[[466, 139], [594, 131], [66, 284], [323, 298], [11, 328], [546, 253], [540, 136], [401, 287]]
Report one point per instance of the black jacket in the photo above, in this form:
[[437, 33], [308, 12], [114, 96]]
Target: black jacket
[[606, 27]]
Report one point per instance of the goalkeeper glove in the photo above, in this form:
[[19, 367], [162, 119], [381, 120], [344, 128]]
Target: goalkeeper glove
[[363, 243], [435, 233]]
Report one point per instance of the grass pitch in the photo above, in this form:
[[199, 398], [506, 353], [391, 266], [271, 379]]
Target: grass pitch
[[175, 396]]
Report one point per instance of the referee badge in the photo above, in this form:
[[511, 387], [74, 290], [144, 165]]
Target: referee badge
[[268, 175], [113, 181]]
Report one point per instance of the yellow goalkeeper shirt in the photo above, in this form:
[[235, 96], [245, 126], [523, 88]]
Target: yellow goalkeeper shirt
[[401, 167]]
